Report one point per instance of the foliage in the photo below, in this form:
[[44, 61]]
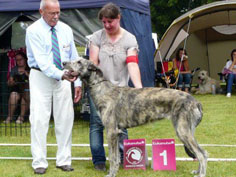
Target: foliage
[[163, 12], [80, 50]]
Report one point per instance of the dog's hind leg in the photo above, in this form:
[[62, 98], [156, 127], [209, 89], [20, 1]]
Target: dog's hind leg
[[114, 154], [185, 134]]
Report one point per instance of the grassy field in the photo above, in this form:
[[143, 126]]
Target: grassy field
[[217, 127]]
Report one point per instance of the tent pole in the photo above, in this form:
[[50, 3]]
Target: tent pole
[[207, 52], [163, 69], [189, 3], [182, 57]]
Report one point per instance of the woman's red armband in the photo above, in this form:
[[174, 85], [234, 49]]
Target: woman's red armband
[[131, 59]]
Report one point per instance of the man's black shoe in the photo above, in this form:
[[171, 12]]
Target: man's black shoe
[[65, 168], [39, 171], [100, 167]]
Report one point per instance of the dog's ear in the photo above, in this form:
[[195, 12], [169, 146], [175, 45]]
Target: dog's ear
[[92, 67]]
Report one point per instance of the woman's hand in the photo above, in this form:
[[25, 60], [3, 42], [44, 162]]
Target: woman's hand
[[234, 61], [26, 73], [11, 82], [78, 94]]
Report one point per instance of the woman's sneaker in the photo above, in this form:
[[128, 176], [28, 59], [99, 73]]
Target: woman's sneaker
[[100, 167], [20, 120], [228, 95], [7, 121]]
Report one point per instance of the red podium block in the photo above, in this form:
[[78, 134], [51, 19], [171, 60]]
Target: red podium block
[[134, 154], [163, 154]]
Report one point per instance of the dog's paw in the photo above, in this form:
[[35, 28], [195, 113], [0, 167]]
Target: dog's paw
[[110, 175], [194, 172], [194, 90], [200, 176]]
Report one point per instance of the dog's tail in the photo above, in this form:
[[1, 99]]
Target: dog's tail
[[196, 115], [189, 153]]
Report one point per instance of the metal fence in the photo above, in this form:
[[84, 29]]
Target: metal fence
[[19, 128]]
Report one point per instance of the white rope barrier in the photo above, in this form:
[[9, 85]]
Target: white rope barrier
[[208, 159], [48, 158], [87, 145], [149, 158]]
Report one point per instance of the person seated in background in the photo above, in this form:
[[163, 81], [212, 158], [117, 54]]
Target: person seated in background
[[184, 72], [230, 69], [19, 88]]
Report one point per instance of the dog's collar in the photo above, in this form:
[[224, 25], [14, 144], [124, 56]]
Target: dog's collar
[[92, 84]]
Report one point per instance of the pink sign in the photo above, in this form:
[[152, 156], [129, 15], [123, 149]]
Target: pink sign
[[134, 154], [163, 154]]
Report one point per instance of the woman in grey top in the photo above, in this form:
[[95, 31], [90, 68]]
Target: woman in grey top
[[115, 51]]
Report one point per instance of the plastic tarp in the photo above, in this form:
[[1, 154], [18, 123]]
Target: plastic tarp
[[82, 21], [141, 6], [138, 24]]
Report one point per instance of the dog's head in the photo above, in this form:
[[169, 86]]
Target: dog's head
[[202, 77], [82, 68]]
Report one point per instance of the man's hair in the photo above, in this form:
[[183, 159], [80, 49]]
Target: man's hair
[[110, 10], [43, 3]]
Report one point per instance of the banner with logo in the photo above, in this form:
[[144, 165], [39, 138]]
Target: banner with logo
[[135, 154], [163, 154]]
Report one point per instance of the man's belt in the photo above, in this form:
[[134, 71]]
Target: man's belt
[[36, 68]]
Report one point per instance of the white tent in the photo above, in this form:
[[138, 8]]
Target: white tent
[[210, 31]]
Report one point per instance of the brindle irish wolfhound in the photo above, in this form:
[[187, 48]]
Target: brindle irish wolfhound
[[124, 107]]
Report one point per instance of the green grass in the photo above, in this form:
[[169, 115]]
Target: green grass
[[80, 50], [217, 127]]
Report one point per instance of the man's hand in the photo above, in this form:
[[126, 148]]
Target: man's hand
[[78, 94], [68, 76]]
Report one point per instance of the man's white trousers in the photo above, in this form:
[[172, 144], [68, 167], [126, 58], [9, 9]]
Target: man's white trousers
[[47, 93]]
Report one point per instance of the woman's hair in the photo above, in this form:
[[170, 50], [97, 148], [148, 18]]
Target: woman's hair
[[22, 54], [110, 10], [25, 57], [232, 57], [177, 53]]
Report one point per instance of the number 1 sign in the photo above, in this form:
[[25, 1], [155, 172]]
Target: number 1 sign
[[163, 154]]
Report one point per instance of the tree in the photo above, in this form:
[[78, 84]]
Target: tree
[[163, 12]]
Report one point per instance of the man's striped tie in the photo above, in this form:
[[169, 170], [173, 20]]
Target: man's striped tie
[[56, 50]]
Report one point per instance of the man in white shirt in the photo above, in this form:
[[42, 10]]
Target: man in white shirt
[[49, 84]]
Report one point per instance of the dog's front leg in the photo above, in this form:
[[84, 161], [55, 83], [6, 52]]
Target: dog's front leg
[[114, 154]]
